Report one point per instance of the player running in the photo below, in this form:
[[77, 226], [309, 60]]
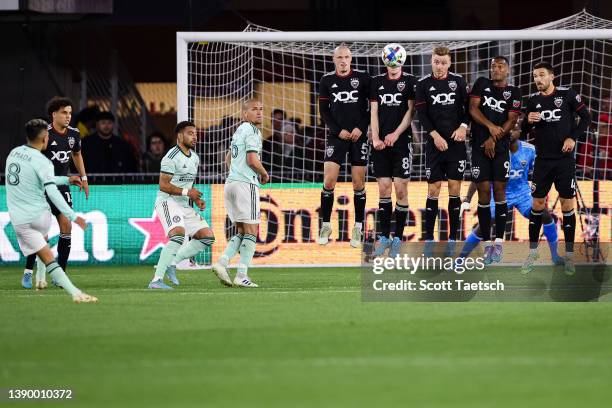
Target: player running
[[391, 111], [241, 194], [518, 195], [552, 111], [441, 103], [64, 143], [494, 106], [343, 103], [174, 206], [29, 175]]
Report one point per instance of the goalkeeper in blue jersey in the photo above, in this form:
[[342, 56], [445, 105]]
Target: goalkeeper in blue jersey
[[29, 175], [518, 195]]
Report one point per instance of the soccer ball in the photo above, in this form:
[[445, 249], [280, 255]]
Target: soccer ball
[[393, 55]]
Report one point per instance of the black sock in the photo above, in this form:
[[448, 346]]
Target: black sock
[[359, 198], [431, 213], [501, 212], [569, 229], [401, 213], [30, 260], [535, 222], [454, 209], [385, 206], [484, 221], [63, 250], [327, 203]]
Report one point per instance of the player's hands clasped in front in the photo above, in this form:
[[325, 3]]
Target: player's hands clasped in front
[[459, 134], [378, 144], [81, 223], [391, 138], [496, 132], [344, 134], [489, 147], [439, 141], [568, 145], [533, 117], [194, 194], [355, 134]]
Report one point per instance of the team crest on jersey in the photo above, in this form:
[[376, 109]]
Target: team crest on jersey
[[329, 151], [355, 83], [475, 172], [452, 85], [516, 104], [71, 142], [176, 218], [401, 85], [578, 98], [523, 163], [507, 94], [558, 101]]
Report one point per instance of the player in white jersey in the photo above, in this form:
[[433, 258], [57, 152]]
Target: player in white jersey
[[29, 174], [174, 206], [241, 192]]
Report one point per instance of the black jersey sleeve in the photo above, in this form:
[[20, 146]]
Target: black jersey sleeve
[[373, 90], [325, 109], [478, 87], [411, 92], [364, 122], [576, 105], [464, 115], [421, 107], [77, 141]]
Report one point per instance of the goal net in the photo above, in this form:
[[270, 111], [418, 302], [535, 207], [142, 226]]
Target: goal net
[[215, 76]]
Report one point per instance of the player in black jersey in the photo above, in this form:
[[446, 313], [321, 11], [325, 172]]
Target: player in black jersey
[[343, 103], [441, 103], [64, 143], [391, 112], [494, 107], [552, 113]]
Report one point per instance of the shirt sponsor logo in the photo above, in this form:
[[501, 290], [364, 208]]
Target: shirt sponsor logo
[[346, 96], [391, 99], [551, 115], [443, 98], [61, 156], [494, 104]]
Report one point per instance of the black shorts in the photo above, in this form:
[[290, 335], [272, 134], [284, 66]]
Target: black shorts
[[449, 165], [562, 172], [358, 151], [486, 169], [393, 162], [66, 194]]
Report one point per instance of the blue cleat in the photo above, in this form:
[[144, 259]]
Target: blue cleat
[[383, 243], [159, 284], [396, 245], [171, 274], [26, 281]]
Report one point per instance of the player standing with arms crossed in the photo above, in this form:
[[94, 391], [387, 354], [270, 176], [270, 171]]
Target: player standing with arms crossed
[[241, 194], [343, 104], [552, 112], [441, 103], [494, 107], [29, 176], [391, 111]]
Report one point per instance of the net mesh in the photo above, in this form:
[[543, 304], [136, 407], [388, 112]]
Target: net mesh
[[286, 75]]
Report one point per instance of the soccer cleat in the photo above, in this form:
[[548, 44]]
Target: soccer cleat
[[396, 245], [41, 284], [498, 252], [356, 237], [324, 235], [243, 281], [528, 264], [488, 255], [221, 273], [84, 298], [171, 274], [159, 284], [570, 268], [383, 244], [26, 280], [450, 248]]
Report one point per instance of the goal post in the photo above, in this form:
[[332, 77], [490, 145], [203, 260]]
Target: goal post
[[218, 70]]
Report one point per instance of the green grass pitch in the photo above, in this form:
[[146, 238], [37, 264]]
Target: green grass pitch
[[303, 339]]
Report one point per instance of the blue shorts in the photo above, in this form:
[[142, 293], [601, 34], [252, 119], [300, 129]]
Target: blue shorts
[[521, 203]]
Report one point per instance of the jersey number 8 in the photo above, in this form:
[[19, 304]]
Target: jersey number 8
[[13, 174]]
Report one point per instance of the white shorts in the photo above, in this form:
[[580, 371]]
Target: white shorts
[[172, 215], [242, 202], [31, 236]]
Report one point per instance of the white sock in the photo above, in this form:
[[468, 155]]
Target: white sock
[[26, 271], [358, 225]]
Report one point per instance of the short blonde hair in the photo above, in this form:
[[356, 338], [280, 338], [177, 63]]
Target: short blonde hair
[[441, 51], [247, 104]]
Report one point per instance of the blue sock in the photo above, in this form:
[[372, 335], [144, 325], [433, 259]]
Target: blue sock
[[550, 232], [470, 243]]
